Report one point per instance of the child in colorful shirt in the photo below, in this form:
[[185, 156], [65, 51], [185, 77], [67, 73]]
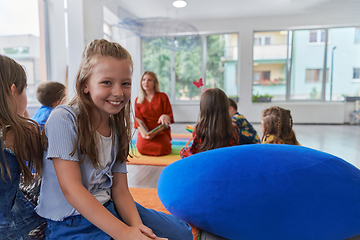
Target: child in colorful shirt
[[247, 133]]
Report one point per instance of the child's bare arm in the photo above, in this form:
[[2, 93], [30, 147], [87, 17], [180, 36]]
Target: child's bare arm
[[125, 205], [69, 177]]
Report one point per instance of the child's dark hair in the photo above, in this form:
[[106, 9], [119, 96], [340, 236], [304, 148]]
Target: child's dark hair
[[215, 129], [278, 122], [233, 104], [50, 92]]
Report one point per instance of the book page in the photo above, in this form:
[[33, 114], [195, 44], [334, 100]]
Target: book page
[[154, 131]]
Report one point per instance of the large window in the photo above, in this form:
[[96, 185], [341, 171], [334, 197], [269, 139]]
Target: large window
[[356, 73], [315, 75], [177, 70], [270, 60], [292, 66], [317, 36], [158, 60], [20, 39], [357, 35]]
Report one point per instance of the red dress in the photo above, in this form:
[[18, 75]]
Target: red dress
[[149, 113]]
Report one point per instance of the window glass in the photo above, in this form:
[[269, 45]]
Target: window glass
[[20, 39], [315, 75], [177, 79], [313, 36], [187, 70], [221, 62], [158, 60], [306, 67], [357, 35], [322, 36], [257, 41], [267, 40], [356, 73], [342, 60], [269, 65]]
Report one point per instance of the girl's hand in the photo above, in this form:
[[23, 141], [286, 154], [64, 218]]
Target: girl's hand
[[146, 231], [149, 233], [164, 119], [140, 232]]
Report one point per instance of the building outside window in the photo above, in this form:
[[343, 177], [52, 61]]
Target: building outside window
[[269, 65], [356, 73], [357, 35], [20, 40], [316, 36], [299, 66], [315, 75]]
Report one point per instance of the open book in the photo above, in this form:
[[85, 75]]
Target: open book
[[152, 132]]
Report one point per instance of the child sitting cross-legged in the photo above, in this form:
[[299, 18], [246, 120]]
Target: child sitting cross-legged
[[247, 133], [84, 190], [276, 125], [215, 128]]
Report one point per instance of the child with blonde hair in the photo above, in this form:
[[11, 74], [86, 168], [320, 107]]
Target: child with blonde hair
[[215, 128], [276, 125], [84, 192]]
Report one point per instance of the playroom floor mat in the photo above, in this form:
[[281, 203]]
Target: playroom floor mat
[[178, 141]]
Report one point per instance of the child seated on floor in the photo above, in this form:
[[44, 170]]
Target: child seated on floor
[[21, 152], [84, 190], [50, 95], [247, 134], [215, 128], [276, 125]]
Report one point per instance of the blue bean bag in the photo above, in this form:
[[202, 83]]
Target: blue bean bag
[[265, 191]]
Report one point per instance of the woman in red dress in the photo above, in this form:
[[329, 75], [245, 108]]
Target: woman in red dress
[[153, 108]]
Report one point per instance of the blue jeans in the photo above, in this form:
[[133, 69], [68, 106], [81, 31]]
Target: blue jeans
[[78, 227], [17, 215]]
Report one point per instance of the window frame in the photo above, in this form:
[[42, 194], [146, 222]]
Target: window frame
[[354, 79], [203, 37], [325, 79]]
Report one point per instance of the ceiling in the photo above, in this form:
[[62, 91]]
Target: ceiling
[[222, 9]]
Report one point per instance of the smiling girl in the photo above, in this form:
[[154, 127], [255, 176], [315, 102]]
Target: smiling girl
[[84, 192]]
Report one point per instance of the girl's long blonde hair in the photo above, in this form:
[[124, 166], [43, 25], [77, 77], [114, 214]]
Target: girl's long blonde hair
[[215, 129], [86, 133], [142, 93], [277, 121], [27, 142]]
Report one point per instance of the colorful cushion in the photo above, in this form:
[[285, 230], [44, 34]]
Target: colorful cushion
[[265, 191]]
